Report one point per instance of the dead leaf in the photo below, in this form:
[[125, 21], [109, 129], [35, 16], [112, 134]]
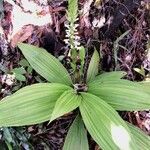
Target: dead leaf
[[85, 14], [38, 16], [99, 3], [22, 35]]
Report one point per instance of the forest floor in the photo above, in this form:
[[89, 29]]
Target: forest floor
[[118, 29]]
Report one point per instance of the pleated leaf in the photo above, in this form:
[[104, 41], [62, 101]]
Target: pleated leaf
[[107, 76], [105, 125], [121, 94], [67, 102], [31, 104], [146, 86], [77, 136], [142, 140], [45, 64], [93, 66]]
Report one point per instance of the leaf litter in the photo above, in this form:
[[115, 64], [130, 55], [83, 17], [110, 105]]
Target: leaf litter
[[42, 23]]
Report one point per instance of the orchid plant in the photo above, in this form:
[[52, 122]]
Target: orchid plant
[[97, 100]]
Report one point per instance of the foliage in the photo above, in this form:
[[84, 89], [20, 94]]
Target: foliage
[[50, 70], [77, 136], [93, 66], [19, 73], [14, 138], [31, 104], [96, 101], [116, 46], [142, 139], [141, 71], [106, 93]]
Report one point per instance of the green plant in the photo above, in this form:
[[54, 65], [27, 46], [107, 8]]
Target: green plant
[[14, 138], [97, 101], [24, 63], [19, 73], [116, 47]]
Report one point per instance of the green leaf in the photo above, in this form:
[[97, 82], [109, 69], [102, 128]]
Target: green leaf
[[45, 64], [142, 140], [105, 125], [67, 102], [24, 63], [31, 104], [107, 76], [20, 70], [8, 145], [141, 71], [7, 135], [20, 77], [121, 94], [116, 46], [93, 66], [82, 54], [145, 85], [29, 70], [77, 136]]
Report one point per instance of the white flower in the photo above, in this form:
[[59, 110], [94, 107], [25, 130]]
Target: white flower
[[66, 41], [76, 43], [72, 38], [76, 25], [66, 25], [77, 38]]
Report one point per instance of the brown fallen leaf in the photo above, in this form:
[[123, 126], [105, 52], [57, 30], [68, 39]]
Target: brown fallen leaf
[[99, 3], [37, 16], [85, 22], [23, 34]]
